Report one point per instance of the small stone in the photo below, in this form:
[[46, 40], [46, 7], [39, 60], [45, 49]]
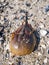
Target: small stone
[[22, 11], [48, 13], [10, 7], [6, 56], [36, 63], [10, 63], [43, 32], [1, 29], [2, 22], [48, 51], [41, 25], [22, 17], [12, 30], [48, 42], [31, 15], [28, 4], [6, 24], [47, 8], [43, 45], [2, 18], [7, 47], [45, 60], [15, 18], [39, 54], [1, 38], [5, 19]]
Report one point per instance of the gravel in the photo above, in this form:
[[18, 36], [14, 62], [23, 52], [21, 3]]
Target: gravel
[[43, 32]]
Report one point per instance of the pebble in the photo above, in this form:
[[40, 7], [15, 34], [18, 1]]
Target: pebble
[[11, 7], [7, 47], [47, 8], [2, 18], [5, 19], [36, 63], [43, 32], [39, 54], [22, 11], [10, 63], [43, 46], [48, 13], [12, 30], [45, 60], [1, 38], [28, 4], [48, 42], [41, 25], [1, 28], [48, 51], [22, 17]]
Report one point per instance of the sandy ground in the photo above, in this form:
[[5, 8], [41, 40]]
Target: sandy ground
[[12, 14]]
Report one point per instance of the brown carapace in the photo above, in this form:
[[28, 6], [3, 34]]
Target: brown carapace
[[23, 40]]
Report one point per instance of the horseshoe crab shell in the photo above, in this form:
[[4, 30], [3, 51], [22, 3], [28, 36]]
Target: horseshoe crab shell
[[23, 40]]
